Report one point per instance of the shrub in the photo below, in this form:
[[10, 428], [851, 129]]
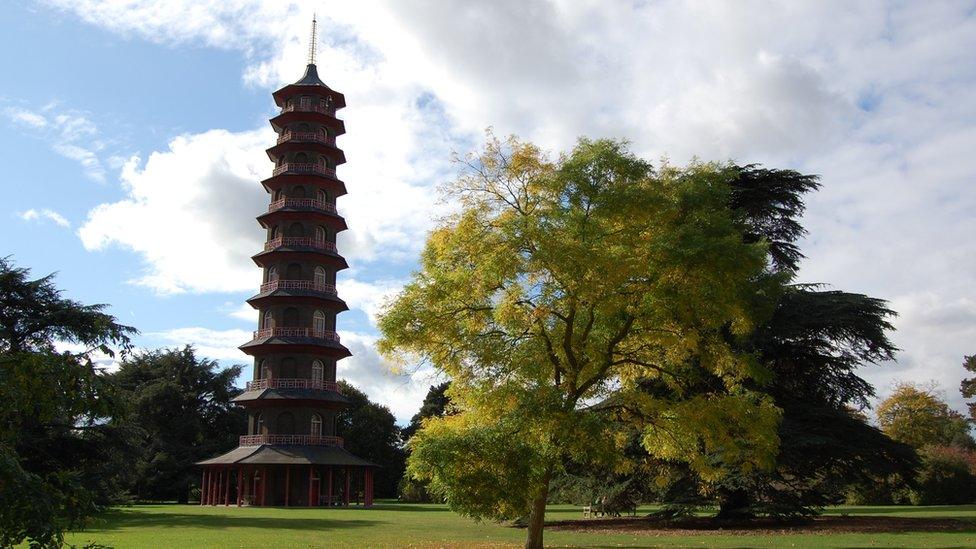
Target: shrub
[[945, 478]]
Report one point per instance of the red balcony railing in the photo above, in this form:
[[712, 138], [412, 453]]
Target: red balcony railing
[[293, 383], [298, 440], [309, 108], [299, 241], [309, 285], [328, 335], [315, 137], [302, 203], [304, 167]]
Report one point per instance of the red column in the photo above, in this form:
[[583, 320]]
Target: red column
[[368, 495], [311, 487], [227, 487], [264, 484], [240, 485], [345, 496], [328, 493], [287, 483], [212, 488], [203, 486]]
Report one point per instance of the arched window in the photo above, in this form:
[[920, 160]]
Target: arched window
[[320, 233], [272, 274], [303, 127], [259, 424], [305, 101], [318, 322], [294, 271], [268, 320], [274, 232], [291, 317], [301, 158], [263, 370], [298, 192], [320, 278], [321, 196], [296, 229], [317, 371], [285, 424], [316, 425]]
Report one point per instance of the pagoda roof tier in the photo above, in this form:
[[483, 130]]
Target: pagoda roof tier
[[295, 213], [330, 301], [294, 397], [310, 84], [267, 454], [329, 182], [320, 146], [285, 253], [314, 114], [296, 344]]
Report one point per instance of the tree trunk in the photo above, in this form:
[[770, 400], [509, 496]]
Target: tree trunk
[[734, 504], [537, 518]]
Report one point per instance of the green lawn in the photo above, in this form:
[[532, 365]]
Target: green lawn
[[408, 525]]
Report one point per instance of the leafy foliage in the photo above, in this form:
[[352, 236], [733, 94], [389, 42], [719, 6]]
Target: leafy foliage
[[968, 386], [371, 432], [53, 437], [557, 283], [180, 407], [917, 416]]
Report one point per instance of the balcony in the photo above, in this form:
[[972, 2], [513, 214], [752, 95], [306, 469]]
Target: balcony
[[294, 440], [327, 335], [299, 242], [306, 137], [306, 285], [304, 168], [302, 204], [292, 383], [309, 108]]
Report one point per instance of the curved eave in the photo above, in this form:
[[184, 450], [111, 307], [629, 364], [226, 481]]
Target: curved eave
[[298, 397], [332, 302], [289, 455], [296, 345], [281, 120], [333, 184], [335, 261], [297, 88], [331, 151], [331, 220]]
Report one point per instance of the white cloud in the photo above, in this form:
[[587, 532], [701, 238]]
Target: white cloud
[[212, 344], [37, 215], [878, 98], [368, 296], [70, 133]]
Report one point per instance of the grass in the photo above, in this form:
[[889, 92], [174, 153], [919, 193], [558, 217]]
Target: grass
[[411, 525]]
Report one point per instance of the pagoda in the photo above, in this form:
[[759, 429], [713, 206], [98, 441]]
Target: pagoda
[[291, 455]]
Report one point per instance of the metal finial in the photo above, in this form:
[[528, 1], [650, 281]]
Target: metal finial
[[311, 46]]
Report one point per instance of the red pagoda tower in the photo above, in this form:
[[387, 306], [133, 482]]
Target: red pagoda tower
[[291, 454]]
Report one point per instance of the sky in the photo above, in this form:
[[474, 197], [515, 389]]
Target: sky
[[133, 131]]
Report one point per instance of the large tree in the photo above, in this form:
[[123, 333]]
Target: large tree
[[370, 431], [968, 386], [180, 406], [918, 416], [559, 282], [53, 406], [812, 345]]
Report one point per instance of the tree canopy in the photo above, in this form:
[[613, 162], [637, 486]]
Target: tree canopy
[[917, 416], [180, 408], [52, 407], [370, 432], [560, 282]]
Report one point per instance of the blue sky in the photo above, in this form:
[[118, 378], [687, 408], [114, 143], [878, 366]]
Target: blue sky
[[133, 136]]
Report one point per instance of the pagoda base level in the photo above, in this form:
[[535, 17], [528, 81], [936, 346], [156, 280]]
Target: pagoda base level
[[287, 485]]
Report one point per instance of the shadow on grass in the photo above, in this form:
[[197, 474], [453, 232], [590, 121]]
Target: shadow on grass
[[900, 509], [133, 518]]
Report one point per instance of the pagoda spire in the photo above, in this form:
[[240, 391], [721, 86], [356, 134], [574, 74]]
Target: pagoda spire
[[312, 42]]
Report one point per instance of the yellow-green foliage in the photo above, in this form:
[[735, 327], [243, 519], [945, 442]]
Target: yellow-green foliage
[[560, 284]]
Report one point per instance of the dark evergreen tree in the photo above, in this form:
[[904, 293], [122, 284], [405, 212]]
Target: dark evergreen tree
[[434, 405], [54, 440], [370, 432], [181, 407]]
